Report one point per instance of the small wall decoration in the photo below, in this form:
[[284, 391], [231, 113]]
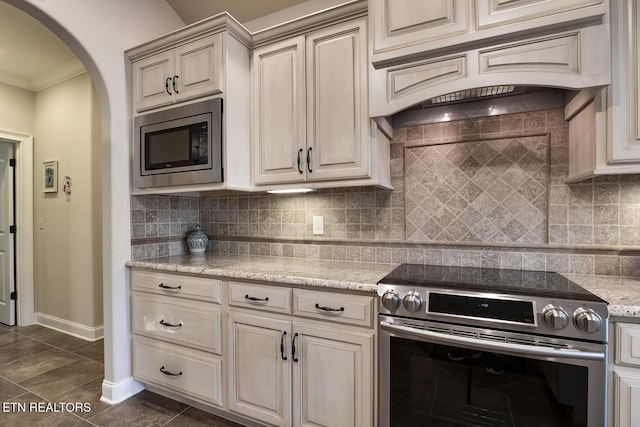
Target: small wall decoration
[[50, 176], [66, 186]]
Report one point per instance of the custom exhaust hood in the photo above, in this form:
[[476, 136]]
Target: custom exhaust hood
[[483, 102]]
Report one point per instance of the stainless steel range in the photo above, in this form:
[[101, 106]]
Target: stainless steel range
[[490, 347]]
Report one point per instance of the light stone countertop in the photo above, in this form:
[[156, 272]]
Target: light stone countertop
[[293, 271], [622, 294]]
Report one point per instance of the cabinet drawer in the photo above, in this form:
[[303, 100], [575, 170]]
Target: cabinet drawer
[[204, 288], [261, 297], [628, 344], [353, 309], [191, 323], [186, 371]]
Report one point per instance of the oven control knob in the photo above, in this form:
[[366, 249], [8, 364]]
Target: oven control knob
[[391, 300], [412, 301], [555, 317], [587, 320]]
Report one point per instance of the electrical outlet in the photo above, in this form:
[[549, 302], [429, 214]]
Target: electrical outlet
[[318, 225]]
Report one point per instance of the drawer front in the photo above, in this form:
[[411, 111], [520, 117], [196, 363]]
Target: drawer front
[[261, 297], [204, 288], [186, 371], [191, 323], [628, 344], [353, 309]]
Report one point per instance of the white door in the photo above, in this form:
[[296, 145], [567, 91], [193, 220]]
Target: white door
[[7, 282]]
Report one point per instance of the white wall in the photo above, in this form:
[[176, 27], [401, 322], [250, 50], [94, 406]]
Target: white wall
[[99, 32], [17, 109], [68, 250]]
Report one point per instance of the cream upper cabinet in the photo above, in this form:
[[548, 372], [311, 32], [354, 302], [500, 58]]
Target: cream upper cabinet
[[337, 116], [604, 135], [279, 111], [406, 30], [185, 72], [310, 118], [400, 23], [624, 104]]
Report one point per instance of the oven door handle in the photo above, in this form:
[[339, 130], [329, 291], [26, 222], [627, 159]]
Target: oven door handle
[[513, 349]]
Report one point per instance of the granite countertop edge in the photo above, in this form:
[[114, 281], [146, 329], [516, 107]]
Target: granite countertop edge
[[622, 293]]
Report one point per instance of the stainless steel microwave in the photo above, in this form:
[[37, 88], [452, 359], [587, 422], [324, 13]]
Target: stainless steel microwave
[[179, 146]]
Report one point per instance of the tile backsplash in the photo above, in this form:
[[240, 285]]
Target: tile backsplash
[[492, 189]]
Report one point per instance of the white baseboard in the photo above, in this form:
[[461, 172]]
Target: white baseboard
[[89, 333], [113, 393]]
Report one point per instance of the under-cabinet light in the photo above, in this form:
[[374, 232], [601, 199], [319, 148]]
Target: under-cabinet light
[[291, 191]]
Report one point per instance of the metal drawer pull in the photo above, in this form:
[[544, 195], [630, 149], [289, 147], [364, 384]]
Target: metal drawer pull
[[163, 286], [319, 307], [293, 347], [169, 373], [169, 325], [284, 334], [256, 299]]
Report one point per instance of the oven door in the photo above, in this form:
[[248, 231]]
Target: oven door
[[449, 375]]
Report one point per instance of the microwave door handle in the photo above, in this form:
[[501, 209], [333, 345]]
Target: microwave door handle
[[514, 349]]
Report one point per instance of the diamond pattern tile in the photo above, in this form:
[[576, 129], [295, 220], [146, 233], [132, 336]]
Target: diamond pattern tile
[[492, 191]]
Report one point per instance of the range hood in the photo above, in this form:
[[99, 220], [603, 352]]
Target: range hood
[[483, 102]]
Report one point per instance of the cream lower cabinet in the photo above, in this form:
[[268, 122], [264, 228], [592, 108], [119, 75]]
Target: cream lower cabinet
[[626, 375], [177, 334], [288, 371]]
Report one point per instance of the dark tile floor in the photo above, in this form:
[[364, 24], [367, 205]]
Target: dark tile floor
[[41, 368]]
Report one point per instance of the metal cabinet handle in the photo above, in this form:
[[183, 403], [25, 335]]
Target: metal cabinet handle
[[284, 334], [169, 325], [256, 299], [169, 373], [300, 159], [319, 307], [166, 85], [174, 288], [175, 79], [293, 347], [309, 159]]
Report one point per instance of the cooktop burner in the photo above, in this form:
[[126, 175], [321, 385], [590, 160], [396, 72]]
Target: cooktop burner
[[516, 282], [534, 302]]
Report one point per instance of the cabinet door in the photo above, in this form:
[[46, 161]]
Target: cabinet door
[[333, 377], [338, 142], [402, 23], [278, 133], [627, 399], [149, 81], [199, 68], [259, 378], [496, 13]]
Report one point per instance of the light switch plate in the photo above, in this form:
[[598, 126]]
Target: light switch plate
[[318, 225]]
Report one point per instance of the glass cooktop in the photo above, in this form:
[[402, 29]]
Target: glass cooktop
[[518, 282]]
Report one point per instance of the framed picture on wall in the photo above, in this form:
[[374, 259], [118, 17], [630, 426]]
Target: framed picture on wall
[[50, 176]]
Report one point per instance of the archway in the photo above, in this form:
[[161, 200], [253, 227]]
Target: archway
[[99, 33]]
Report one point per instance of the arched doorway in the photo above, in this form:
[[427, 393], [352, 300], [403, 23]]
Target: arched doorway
[[99, 33]]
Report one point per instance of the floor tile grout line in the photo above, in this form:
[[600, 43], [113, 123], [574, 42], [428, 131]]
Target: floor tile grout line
[[177, 415]]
